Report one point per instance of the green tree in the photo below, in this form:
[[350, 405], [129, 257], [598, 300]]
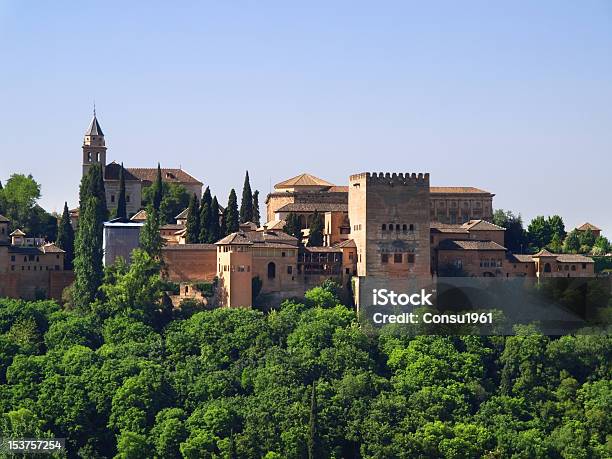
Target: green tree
[[557, 227], [88, 252], [292, 227], [515, 238], [65, 237], [539, 232], [157, 189], [246, 205], [193, 221], [256, 215], [150, 237], [587, 238], [231, 220], [121, 211], [555, 245], [92, 185], [205, 217], [571, 244], [214, 232], [315, 236], [602, 243], [175, 199], [313, 447]]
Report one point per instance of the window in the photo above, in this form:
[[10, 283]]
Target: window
[[12, 267], [289, 269], [397, 258], [112, 198], [127, 198], [583, 265], [350, 256], [12, 257], [410, 258], [573, 267], [397, 227], [384, 258], [411, 227], [404, 227], [566, 267], [282, 254], [384, 227], [271, 270]]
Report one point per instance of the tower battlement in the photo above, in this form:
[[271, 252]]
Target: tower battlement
[[392, 178]]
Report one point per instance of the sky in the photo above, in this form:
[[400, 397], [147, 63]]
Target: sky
[[511, 97]]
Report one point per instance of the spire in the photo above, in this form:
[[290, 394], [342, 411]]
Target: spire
[[94, 127]]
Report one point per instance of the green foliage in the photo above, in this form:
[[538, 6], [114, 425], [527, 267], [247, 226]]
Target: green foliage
[[246, 205], [174, 200], [539, 232], [192, 235], [121, 211], [256, 215], [88, 252], [292, 226], [571, 244], [150, 237], [315, 236], [231, 218], [214, 231], [256, 285], [65, 237], [206, 218], [587, 238], [157, 190], [515, 237], [301, 381]]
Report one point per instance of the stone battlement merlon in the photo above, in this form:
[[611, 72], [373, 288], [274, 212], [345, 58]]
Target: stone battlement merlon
[[389, 178]]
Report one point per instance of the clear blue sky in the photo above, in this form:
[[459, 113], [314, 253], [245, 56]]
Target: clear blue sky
[[513, 97]]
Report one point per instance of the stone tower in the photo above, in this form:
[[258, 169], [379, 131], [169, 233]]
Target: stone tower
[[94, 148], [390, 218]]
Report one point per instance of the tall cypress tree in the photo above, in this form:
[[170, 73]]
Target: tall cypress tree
[[92, 185], [1, 198], [246, 205], [256, 216], [65, 238], [193, 221], [214, 231], [205, 216], [150, 237], [121, 211], [159, 191], [315, 236], [231, 217], [88, 268], [292, 226]]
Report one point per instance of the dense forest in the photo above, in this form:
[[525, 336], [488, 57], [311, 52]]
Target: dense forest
[[126, 379]]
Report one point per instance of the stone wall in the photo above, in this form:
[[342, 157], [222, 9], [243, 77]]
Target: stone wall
[[190, 262]]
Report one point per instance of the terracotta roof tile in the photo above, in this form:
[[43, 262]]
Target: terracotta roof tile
[[448, 244], [149, 174], [303, 180], [456, 189], [587, 226], [311, 207]]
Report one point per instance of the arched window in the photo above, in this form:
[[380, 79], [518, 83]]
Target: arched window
[[404, 227], [271, 270], [411, 227], [384, 227], [547, 268], [397, 227]]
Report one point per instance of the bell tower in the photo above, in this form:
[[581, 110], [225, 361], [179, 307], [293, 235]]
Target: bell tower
[[94, 148]]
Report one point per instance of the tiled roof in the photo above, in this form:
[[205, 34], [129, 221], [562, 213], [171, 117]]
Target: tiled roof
[[149, 174], [139, 216], [262, 238], [349, 243], [275, 225], [172, 226], [3, 219], [456, 189], [574, 258], [338, 189], [51, 248], [303, 180], [482, 225], [544, 253], [448, 244], [111, 172], [189, 247], [335, 249], [520, 258], [587, 226], [24, 250], [17, 232], [437, 227], [311, 207]]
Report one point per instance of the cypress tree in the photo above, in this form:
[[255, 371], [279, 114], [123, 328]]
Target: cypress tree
[[312, 425], [315, 236], [214, 231], [150, 237], [246, 205], [1, 198], [231, 216], [256, 216], [88, 268], [205, 216], [92, 185], [158, 190], [292, 227], [193, 221], [121, 211], [65, 237]]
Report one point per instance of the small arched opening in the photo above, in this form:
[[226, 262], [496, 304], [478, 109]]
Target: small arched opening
[[271, 270]]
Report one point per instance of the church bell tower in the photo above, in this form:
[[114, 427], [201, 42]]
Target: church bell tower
[[94, 148]]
